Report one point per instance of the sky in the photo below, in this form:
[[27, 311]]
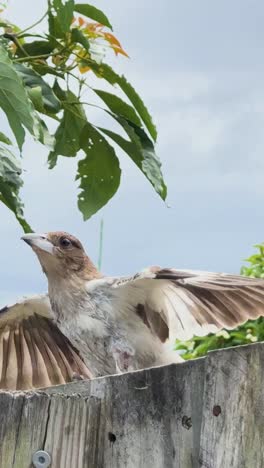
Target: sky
[[199, 68]]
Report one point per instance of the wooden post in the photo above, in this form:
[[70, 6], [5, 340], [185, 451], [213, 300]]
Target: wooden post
[[203, 413]]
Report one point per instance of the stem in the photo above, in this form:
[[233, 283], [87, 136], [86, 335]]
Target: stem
[[33, 57], [77, 78], [80, 88], [84, 59], [93, 105], [85, 102], [43, 56], [33, 25]]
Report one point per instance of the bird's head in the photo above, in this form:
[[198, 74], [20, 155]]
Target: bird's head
[[61, 254]]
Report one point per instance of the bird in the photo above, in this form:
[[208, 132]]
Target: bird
[[91, 325]]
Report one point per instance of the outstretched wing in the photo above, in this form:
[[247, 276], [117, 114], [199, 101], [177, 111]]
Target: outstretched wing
[[183, 303], [33, 351]]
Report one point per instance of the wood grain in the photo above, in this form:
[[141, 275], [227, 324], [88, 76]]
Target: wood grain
[[232, 428], [204, 413]]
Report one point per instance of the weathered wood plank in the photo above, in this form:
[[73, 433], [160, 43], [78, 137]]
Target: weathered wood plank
[[148, 417], [22, 427], [233, 429], [64, 426], [143, 419], [206, 413], [72, 432]]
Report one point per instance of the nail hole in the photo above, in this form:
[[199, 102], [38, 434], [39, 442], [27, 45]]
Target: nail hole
[[217, 410], [111, 437]]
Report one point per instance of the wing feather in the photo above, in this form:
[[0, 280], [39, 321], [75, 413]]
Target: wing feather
[[33, 351], [193, 302]]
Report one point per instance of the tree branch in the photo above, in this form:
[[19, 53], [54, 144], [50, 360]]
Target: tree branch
[[13, 37]]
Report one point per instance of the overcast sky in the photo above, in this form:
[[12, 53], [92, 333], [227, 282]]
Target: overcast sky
[[199, 68]]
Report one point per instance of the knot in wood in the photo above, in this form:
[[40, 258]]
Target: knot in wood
[[186, 422]]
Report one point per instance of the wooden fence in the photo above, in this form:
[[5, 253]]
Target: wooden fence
[[203, 413]]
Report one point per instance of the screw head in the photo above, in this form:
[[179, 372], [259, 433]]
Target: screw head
[[41, 459]]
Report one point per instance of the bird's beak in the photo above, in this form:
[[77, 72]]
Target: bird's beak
[[39, 241]]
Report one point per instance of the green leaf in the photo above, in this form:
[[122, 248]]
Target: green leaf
[[67, 136], [93, 13], [79, 37], [42, 133], [13, 99], [10, 26], [32, 80], [54, 27], [118, 106], [139, 105], [47, 70], [5, 139], [59, 92], [10, 183], [36, 48], [141, 150], [61, 16], [104, 71], [36, 97], [10, 167], [99, 172]]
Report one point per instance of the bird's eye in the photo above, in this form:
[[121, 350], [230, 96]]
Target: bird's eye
[[64, 242]]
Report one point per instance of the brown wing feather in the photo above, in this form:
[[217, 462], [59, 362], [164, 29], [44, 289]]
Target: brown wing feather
[[217, 299], [184, 303], [153, 321], [33, 351]]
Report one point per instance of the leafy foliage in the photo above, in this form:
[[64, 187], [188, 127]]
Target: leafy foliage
[[103, 178], [249, 332], [32, 81], [70, 128], [14, 100], [93, 13], [45, 75], [10, 183]]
